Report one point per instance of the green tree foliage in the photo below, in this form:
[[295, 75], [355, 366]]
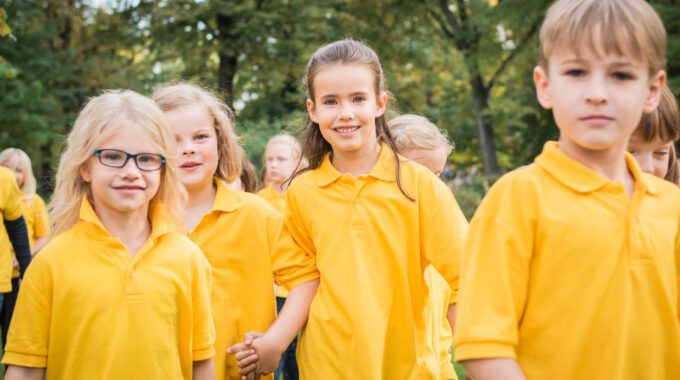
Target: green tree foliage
[[466, 65]]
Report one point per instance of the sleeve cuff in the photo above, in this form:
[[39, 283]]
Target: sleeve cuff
[[24, 360], [203, 354], [300, 280], [485, 350]]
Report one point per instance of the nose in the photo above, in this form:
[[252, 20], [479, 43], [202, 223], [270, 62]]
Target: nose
[[645, 160], [597, 91], [185, 148], [346, 111], [130, 169]]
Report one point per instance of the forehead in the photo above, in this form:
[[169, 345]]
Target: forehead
[[191, 117], [343, 79], [129, 136], [594, 43], [279, 149]]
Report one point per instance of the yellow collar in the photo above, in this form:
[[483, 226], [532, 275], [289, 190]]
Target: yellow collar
[[578, 177], [160, 222], [384, 169], [226, 199]]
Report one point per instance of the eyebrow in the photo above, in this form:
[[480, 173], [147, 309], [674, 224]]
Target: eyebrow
[[352, 94], [617, 64]]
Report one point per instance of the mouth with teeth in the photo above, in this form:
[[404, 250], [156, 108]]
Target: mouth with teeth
[[346, 130]]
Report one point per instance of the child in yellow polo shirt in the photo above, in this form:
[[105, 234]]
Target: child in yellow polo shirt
[[652, 143], [417, 139], [119, 292], [370, 222], [13, 235], [571, 264], [282, 157], [235, 230], [35, 215]]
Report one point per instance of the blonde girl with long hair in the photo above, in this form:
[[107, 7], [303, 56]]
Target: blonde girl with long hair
[[37, 225], [119, 291], [419, 140], [236, 230], [369, 222], [282, 157]]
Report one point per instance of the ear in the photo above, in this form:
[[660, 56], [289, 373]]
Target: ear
[[656, 84], [381, 103], [85, 172], [311, 110], [542, 86]]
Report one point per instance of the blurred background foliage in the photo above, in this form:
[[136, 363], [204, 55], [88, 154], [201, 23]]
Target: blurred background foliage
[[465, 64]]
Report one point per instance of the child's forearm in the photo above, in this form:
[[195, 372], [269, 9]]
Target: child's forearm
[[494, 368], [39, 244], [451, 316], [293, 315], [15, 372], [204, 369]]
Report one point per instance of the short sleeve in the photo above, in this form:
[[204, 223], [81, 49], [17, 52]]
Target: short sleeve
[[444, 232], [495, 275], [41, 227], [28, 337], [203, 334], [11, 200], [294, 255]]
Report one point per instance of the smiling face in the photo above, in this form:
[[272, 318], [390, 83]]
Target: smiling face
[[194, 131], [124, 192], [345, 107], [597, 102]]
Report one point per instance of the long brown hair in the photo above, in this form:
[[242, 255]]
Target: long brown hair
[[344, 52]]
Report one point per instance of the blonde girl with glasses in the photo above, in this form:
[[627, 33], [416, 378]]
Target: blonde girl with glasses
[[120, 291]]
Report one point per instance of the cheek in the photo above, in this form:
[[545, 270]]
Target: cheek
[[660, 168]]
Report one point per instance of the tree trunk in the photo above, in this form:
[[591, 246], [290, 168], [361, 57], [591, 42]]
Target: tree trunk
[[487, 146], [228, 60]]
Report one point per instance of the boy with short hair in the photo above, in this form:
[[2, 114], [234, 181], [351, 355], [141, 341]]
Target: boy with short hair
[[571, 265]]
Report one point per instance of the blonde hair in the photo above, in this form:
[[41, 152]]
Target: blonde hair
[[15, 157], [97, 122], [664, 124], [622, 27], [175, 95], [291, 141], [416, 132]]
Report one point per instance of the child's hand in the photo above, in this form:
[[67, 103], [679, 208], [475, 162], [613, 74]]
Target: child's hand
[[246, 358], [15, 263], [268, 354]]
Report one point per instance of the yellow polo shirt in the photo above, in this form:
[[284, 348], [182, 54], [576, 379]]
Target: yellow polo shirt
[[88, 310], [371, 245], [275, 199], [237, 236], [567, 274], [278, 201], [11, 207], [35, 215], [440, 336]]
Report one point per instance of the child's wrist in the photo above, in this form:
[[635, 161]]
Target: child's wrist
[[275, 342]]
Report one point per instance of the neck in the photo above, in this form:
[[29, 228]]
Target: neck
[[132, 228], [200, 202], [201, 195], [609, 163], [280, 188], [358, 162]]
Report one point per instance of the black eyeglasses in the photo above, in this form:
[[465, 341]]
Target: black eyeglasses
[[115, 158]]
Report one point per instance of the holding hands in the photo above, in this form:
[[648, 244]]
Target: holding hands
[[257, 355]]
